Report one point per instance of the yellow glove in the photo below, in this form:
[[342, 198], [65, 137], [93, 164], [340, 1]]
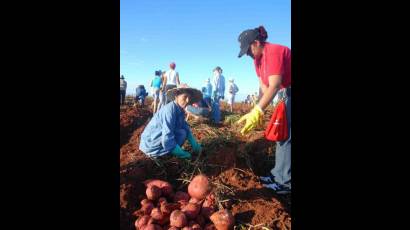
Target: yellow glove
[[253, 119]]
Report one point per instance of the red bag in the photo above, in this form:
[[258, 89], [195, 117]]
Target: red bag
[[277, 129]]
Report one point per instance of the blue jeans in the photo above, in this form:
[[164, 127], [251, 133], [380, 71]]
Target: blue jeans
[[216, 111], [140, 99], [282, 169], [180, 136], [200, 111]]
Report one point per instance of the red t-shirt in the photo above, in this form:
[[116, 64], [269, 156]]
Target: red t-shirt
[[275, 60]]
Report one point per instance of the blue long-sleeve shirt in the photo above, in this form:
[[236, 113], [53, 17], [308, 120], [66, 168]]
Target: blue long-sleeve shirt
[[208, 92], [218, 84], [140, 92], [159, 136]]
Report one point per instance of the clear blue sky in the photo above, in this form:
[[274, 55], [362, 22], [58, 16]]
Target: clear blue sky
[[197, 36]]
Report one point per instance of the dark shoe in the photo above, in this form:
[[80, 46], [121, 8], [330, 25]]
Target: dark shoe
[[277, 188], [267, 179]]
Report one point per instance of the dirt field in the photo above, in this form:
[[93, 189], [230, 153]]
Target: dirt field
[[232, 162]]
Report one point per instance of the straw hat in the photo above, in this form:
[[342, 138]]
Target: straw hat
[[194, 94]]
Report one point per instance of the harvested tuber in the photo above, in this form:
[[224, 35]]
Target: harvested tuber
[[208, 207], [144, 210], [191, 210], [178, 219], [151, 227], [153, 192], [145, 201], [166, 187], [181, 196], [195, 201], [199, 187], [142, 221], [167, 208], [223, 220], [210, 227], [159, 217]]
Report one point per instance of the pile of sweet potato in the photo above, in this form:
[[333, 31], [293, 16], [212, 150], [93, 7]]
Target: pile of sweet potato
[[164, 209]]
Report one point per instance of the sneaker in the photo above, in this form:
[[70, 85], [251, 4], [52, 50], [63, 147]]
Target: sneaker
[[279, 189], [267, 179]]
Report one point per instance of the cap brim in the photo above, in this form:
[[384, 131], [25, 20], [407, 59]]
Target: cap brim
[[243, 51], [195, 95]]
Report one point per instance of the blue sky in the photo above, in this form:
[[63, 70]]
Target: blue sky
[[197, 36]]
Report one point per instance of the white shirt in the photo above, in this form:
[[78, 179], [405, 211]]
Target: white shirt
[[233, 88], [171, 77]]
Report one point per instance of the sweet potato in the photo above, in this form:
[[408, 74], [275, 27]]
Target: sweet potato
[[142, 221], [196, 227], [166, 188], [223, 220], [167, 208], [182, 203], [144, 210], [199, 187], [152, 227], [159, 217], [171, 228], [161, 200], [153, 192], [178, 219], [210, 227], [195, 201], [191, 210], [208, 207], [144, 201], [179, 196]]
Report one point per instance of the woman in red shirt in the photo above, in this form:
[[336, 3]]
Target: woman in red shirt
[[273, 68]]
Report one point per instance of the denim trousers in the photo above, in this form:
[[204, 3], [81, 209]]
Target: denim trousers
[[216, 111], [282, 169], [199, 111]]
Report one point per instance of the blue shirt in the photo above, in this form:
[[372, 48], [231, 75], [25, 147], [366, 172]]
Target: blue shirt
[[140, 92], [208, 91], [218, 83], [156, 82], [158, 138]]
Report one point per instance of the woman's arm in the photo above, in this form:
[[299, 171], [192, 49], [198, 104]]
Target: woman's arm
[[269, 92], [164, 82], [262, 88]]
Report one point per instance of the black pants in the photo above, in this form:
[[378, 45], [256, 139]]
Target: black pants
[[122, 97]]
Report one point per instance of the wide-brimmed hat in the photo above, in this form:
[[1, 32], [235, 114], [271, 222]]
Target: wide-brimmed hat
[[194, 94]]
